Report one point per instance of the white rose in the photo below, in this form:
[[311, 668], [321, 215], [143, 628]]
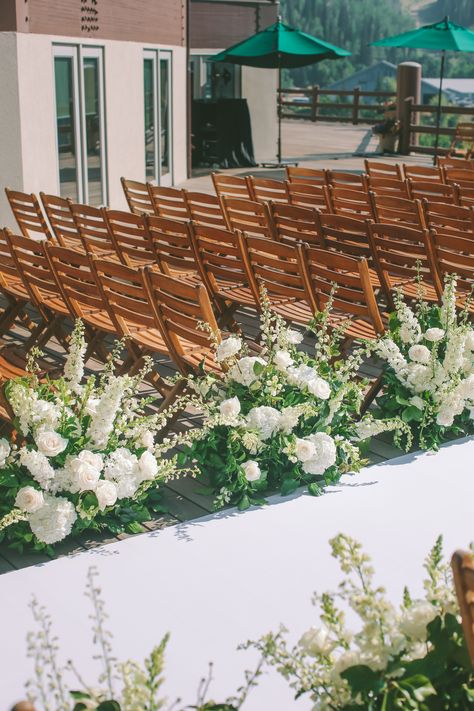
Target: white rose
[[229, 409], [5, 450], [147, 439], [434, 334], [251, 470], [316, 641], [320, 388], [106, 493], [29, 499], [294, 337], [83, 471], [282, 360], [228, 348], [445, 418], [243, 371], [305, 450], [147, 467], [416, 618], [50, 443], [420, 354], [417, 401]]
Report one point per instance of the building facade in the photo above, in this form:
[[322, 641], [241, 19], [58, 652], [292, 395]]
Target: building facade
[[96, 89]]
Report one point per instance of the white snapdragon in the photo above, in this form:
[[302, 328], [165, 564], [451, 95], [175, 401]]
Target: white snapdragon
[[228, 348], [147, 440], [469, 342], [74, 365], [454, 355], [121, 468], [103, 420], [54, 520], [466, 387], [50, 443], [38, 466], [243, 371], [229, 410], [29, 499], [410, 331], [388, 350], [266, 420], [251, 470]]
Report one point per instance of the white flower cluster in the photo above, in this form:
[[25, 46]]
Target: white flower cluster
[[317, 453]]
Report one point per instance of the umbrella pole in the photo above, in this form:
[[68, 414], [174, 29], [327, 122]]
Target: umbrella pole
[[279, 112], [438, 111]]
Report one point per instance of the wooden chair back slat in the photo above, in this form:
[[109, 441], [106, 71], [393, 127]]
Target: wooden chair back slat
[[344, 179], [392, 209], [311, 195], [459, 176], [446, 218], [313, 176], [171, 245], [387, 186], [204, 209], [231, 186], [462, 565], [379, 169], [92, 227], [137, 197], [465, 195], [423, 173], [294, 224], [248, 216], [454, 254], [452, 162], [28, 214], [433, 191], [266, 190], [168, 202], [130, 237], [344, 234], [58, 212], [352, 203]]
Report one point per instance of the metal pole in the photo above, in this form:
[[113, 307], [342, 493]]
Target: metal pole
[[279, 111], [438, 111]]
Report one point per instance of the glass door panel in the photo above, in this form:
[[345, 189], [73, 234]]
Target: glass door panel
[[165, 118], [92, 125], [66, 127], [149, 85]]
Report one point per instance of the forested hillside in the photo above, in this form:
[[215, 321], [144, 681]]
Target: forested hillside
[[353, 24]]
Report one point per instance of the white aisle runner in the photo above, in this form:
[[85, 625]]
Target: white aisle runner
[[223, 579]]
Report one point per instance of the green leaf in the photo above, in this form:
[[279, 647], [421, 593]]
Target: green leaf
[[108, 706], [412, 414], [362, 679], [258, 368], [79, 695], [288, 486], [314, 489], [244, 503]]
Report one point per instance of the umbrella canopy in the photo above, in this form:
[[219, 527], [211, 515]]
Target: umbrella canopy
[[444, 36], [279, 47]]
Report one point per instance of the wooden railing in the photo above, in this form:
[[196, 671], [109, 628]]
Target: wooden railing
[[411, 128], [311, 104]]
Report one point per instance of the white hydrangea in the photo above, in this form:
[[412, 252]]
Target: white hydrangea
[[38, 466], [251, 470], [289, 419], [54, 520], [252, 442], [243, 371], [325, 456], [121, 468], [266, 420], [29, 499], [228, 348], [418, 377], [466, 387], [45, 414], [291, 336]]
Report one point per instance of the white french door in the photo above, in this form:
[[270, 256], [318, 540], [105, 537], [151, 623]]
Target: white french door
[[157, 79]]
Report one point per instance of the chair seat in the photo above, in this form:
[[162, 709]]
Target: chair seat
[[13, 286], [54, 303], [293, 310], [411, 289], [356, 327], [99, 320], [240, 294], [150, 339]]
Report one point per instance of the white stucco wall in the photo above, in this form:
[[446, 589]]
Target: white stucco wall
[[259, 88], [28, 153]]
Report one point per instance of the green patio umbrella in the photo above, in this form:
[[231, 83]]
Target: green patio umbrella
[[443, 37], [279, 47]]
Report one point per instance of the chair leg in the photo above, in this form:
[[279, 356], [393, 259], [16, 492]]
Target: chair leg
[[371, 394], [175, 392]]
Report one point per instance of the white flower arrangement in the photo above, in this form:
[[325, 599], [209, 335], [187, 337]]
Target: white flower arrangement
[[429, 380], [408, 657], [278, 419], [85, 455]]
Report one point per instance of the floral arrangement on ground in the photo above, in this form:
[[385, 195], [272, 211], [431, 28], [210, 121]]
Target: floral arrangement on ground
[[280, 419], [85, 455], [411, 657], [429, 378]]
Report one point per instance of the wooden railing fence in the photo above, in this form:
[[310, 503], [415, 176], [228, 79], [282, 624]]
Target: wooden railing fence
[[411, 128], [310, 104]]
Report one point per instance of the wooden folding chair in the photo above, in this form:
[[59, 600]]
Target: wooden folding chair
[[379, 169], [387, 186], [423, 173], [465, 195], [452, 162], [38, 279], [93, 231], [75, 279], [204, 209], [168, 202], [28, 214], [274, 265], [312, 176], [293, 224], [309, 195], [231, 186], [454, 254], [354, 307], [402, 260], [247, 216], [433, 191], [172, 248], [447, 219], [137, 197], [344, 179], [130, 237], [124, 294], [266, 190], [459, 176], [12, 288], [464, 134], [396, 210], [352, 203], [462, 565], [222, 269], [179, 310], [58, 212]]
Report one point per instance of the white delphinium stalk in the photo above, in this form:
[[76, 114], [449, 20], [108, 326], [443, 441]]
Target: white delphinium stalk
[[448, 303], [388, 350], [102, 422], [38, 466], [74, 365], [410, 330]]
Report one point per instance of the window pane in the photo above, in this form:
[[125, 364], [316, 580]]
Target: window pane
[[150, 132], [92, 130], [66, 128], [165, 116]]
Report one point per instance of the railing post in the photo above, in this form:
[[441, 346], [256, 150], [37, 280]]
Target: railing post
[[355, 105], [406, 111], [314, 103]]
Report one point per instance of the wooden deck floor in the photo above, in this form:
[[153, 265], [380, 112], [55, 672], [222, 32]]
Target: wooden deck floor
[[183, 498]]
